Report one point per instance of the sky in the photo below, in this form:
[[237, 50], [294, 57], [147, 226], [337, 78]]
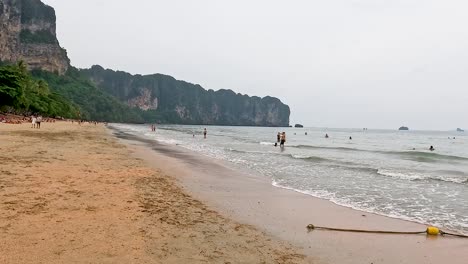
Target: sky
[[336, 63]]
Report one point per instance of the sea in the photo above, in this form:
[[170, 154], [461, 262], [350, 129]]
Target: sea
[[387, 172]]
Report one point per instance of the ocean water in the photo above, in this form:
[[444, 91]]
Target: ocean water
[[387, 172]]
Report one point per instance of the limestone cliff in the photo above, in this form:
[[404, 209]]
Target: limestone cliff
[[28, 33], [175, 101]]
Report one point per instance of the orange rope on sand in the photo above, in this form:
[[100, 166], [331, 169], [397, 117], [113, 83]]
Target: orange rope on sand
[[429, 231]]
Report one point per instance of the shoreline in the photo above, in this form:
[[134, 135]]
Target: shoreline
[[286, 213]]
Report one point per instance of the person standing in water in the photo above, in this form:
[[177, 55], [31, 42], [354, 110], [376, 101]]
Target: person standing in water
[[204, 133], [282, 139], [278, 137], [326, 136]]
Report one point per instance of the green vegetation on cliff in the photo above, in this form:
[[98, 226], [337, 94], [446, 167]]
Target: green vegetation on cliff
[[68, 96], [93, 103], [19, 91], [167, 100], [107, 95]]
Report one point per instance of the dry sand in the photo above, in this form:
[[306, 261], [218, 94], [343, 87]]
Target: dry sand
[[74, 194]]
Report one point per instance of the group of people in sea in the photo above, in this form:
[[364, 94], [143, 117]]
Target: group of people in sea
[[281, 139], [205, 132]]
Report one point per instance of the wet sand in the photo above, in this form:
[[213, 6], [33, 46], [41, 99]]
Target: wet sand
[[285, 214], [75, 194]]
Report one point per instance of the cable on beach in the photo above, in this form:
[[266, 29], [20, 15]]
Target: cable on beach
[[432, 231]]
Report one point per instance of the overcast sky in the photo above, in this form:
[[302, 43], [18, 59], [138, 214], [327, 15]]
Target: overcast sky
[[336, 63]]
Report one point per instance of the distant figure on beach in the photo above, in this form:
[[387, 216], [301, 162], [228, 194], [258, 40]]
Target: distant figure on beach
[[38, 122], [204, 133], [306, 133], [33, 122], [326, 136], [350, 138], [282, 139], [278, 137], [431, 148]]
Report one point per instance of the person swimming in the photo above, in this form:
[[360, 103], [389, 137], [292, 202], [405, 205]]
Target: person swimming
[[326, 136], [431, 148], [350, 138]]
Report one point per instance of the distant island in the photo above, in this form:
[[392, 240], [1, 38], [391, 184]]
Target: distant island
[[403, 128]]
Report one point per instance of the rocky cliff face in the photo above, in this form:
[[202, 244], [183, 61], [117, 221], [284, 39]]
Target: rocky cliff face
[[28, 33], [181, 102]]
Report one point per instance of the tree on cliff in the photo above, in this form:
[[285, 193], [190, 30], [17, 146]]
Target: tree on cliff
[[19, 91]]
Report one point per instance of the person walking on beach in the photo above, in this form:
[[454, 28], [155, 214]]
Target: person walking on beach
[[204, 133], [282, 139], [33, 122], [38, 122]]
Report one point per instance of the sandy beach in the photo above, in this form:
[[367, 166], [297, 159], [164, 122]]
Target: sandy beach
[[284, 214], [75, 194]]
